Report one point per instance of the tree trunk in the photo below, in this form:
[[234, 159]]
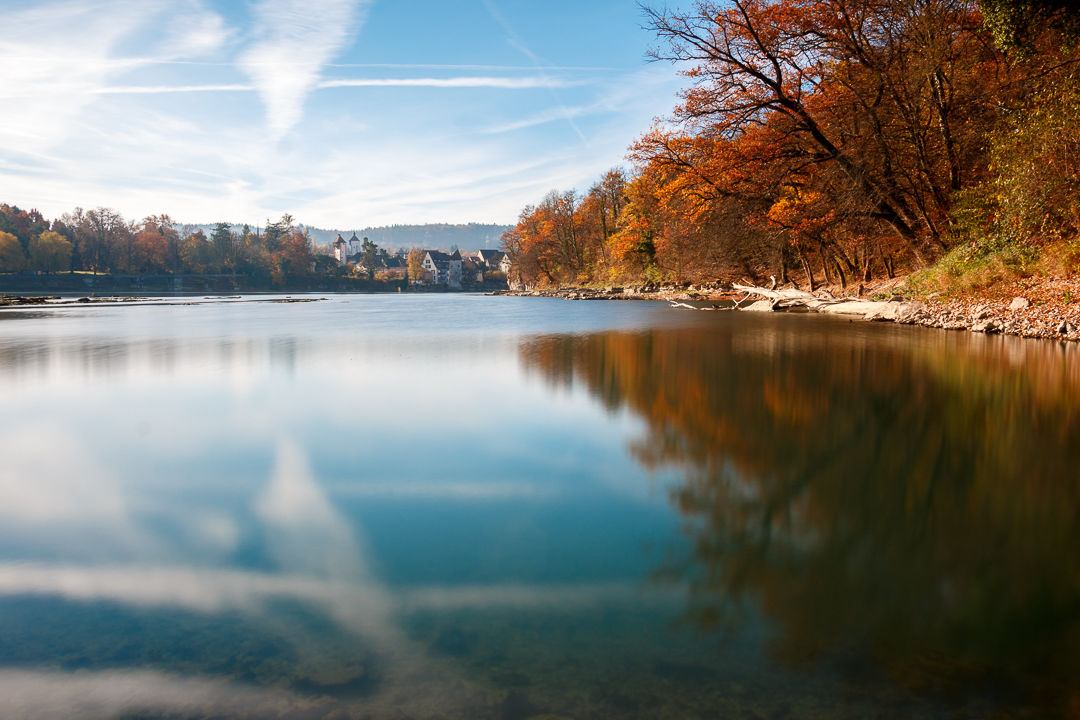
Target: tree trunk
[[825, 267], [807, 271]]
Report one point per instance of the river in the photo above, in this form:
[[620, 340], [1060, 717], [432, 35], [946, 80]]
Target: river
[[438, 507]]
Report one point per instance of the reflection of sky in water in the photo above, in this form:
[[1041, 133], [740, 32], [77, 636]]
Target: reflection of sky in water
[[420, 507], [153, 435], [370, 460]]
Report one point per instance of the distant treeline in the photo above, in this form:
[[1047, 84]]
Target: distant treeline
[[834, 140], [102, 241]]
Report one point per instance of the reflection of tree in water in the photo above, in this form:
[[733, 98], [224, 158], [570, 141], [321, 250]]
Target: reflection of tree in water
[[909, 498]]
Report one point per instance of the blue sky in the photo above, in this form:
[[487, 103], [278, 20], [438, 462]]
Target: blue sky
[[344, 113]]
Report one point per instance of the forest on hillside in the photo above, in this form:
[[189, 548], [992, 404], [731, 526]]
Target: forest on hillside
[[824, 141]]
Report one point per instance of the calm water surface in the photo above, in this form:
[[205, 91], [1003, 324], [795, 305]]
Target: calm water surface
[[453, 507]]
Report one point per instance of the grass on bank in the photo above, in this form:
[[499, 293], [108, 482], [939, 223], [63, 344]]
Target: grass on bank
[[1023, 221]]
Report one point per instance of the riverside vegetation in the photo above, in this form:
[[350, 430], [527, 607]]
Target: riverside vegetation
[[101, 241], [920, 147]]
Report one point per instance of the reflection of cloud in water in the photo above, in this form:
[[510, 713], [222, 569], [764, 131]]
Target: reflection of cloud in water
[[48, 476], [306, 534], [356, 606], [563, 597], [310, 539], [317, 550], [446, 490], [54, 490], [51, 695]]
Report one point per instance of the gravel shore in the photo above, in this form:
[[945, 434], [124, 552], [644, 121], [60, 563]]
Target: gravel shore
[[1034, 307]]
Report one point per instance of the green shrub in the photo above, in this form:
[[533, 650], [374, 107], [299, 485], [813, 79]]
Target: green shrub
[[1029, 209]]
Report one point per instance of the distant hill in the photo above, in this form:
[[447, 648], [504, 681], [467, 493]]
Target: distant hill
[[473, 236]]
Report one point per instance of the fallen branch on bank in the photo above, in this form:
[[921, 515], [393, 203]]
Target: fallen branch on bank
[[695, 307], [785, 299], [789, 298]]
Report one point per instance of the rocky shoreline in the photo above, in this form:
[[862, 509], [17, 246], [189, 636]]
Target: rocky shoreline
[[1039, 316], [648, 291], [1044, 310], [57, 301]]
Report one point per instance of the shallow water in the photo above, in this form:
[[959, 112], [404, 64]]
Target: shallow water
[[484, 507]]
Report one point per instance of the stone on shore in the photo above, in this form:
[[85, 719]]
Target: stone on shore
[[859, 307], [1020, 303]]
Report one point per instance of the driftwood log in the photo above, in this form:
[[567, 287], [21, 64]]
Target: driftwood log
[[675, 304], [783, 299]]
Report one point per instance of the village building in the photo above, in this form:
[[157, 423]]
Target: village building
[[341, 250], [472, 270], [442, 269], [347, 252], [355, 245], [491, 258]]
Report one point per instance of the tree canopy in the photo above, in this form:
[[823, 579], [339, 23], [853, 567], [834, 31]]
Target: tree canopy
[[815, 140]]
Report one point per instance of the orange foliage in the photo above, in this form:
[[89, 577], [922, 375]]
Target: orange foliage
[[821, 136]]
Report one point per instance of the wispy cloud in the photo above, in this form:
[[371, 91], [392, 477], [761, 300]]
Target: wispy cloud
[[138, 89], [506, 83], [442, 66], [55, 56], [150, 105], [291, 41], [517, 41], [456, 82], [551, 115]]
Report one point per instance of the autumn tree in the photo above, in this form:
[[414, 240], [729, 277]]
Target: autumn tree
[[197, 253], [12, 258], [50, 252], [293, 257], [416, 264], [1019, 25], [23, 224], [99, 233], [874, 92], [152, 245]]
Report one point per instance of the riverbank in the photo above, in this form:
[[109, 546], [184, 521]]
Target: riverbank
[[1038, 307], [52, 301]]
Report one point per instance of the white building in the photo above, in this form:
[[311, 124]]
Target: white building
[[346, 252], [442, 269], [341, 250]]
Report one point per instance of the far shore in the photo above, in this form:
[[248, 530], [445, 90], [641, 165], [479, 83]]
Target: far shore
[[1035, 308]]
